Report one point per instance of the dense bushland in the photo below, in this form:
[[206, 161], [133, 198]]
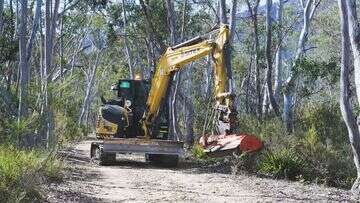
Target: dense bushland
[[318, 150]]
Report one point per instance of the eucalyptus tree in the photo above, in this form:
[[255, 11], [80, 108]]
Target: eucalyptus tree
[[253, 10], [350, 36], [279, 50], [309, 8], [269, 70], [1, 16], [23, 65]]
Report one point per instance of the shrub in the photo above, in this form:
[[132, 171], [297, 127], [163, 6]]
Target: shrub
[[271, 131], [67, 129], [281, 164], [326, 120], [16, 133], [21, 173], [325, 164], [244, 161], [198, 152]]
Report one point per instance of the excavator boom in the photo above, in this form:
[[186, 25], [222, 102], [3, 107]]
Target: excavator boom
[[174, 59]]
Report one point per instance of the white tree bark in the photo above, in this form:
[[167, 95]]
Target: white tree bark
[[289, 88], [50, 27], [223, 18], [345, 103], [354, 32], [232, 20], [173, 90], [1, 16], [188, 106], [150, 38], [89, 87], [253, 10], [126, 43], [232, 24], [269, 59], [23, 65], [278, 57], [34, 30]]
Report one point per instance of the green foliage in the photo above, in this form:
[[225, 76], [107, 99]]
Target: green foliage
[[327, 166], [198, 152], [283, 163], [311, 139], [8, 49], [67, 129], [21, 173], [272, 130], [313, 70], [14, 132], [9, 45], [318, 150], [325, 120]]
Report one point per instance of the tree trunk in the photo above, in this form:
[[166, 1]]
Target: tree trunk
[[62, 62], [289, 88], [150, 28], [150, 45], [232, 20], [266, 102], [173, 91], [50, 27], [1, 16], [34, 30], [150, 54], [253, 13], [354, 33], [223, 18], [23, 65], [126, 43], [188, 106], [278, 57], [88, 93], [269, 59], [345, 103]]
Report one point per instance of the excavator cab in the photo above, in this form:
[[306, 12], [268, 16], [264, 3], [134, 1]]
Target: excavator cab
[[126, 112], [119, 129]]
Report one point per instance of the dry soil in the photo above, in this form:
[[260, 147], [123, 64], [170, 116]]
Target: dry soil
[[131, 179]]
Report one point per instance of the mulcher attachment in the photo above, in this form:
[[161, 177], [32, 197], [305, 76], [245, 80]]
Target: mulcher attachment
[[222, 145]]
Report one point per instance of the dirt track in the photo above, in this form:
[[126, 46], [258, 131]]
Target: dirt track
[[132, 179]]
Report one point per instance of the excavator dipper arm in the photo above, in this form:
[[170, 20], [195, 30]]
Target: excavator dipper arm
[[175, 58]]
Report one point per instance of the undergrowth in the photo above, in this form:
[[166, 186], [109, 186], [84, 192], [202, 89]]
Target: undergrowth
[[316, 152], [23, 171]]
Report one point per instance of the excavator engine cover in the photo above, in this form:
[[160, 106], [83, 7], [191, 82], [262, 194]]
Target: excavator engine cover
[[221, 145]]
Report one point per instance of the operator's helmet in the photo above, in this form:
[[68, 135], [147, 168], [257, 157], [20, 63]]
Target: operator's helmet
[[114, 90], [113, 87]]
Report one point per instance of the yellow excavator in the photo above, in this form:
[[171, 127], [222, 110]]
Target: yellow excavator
[[136, 121]]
